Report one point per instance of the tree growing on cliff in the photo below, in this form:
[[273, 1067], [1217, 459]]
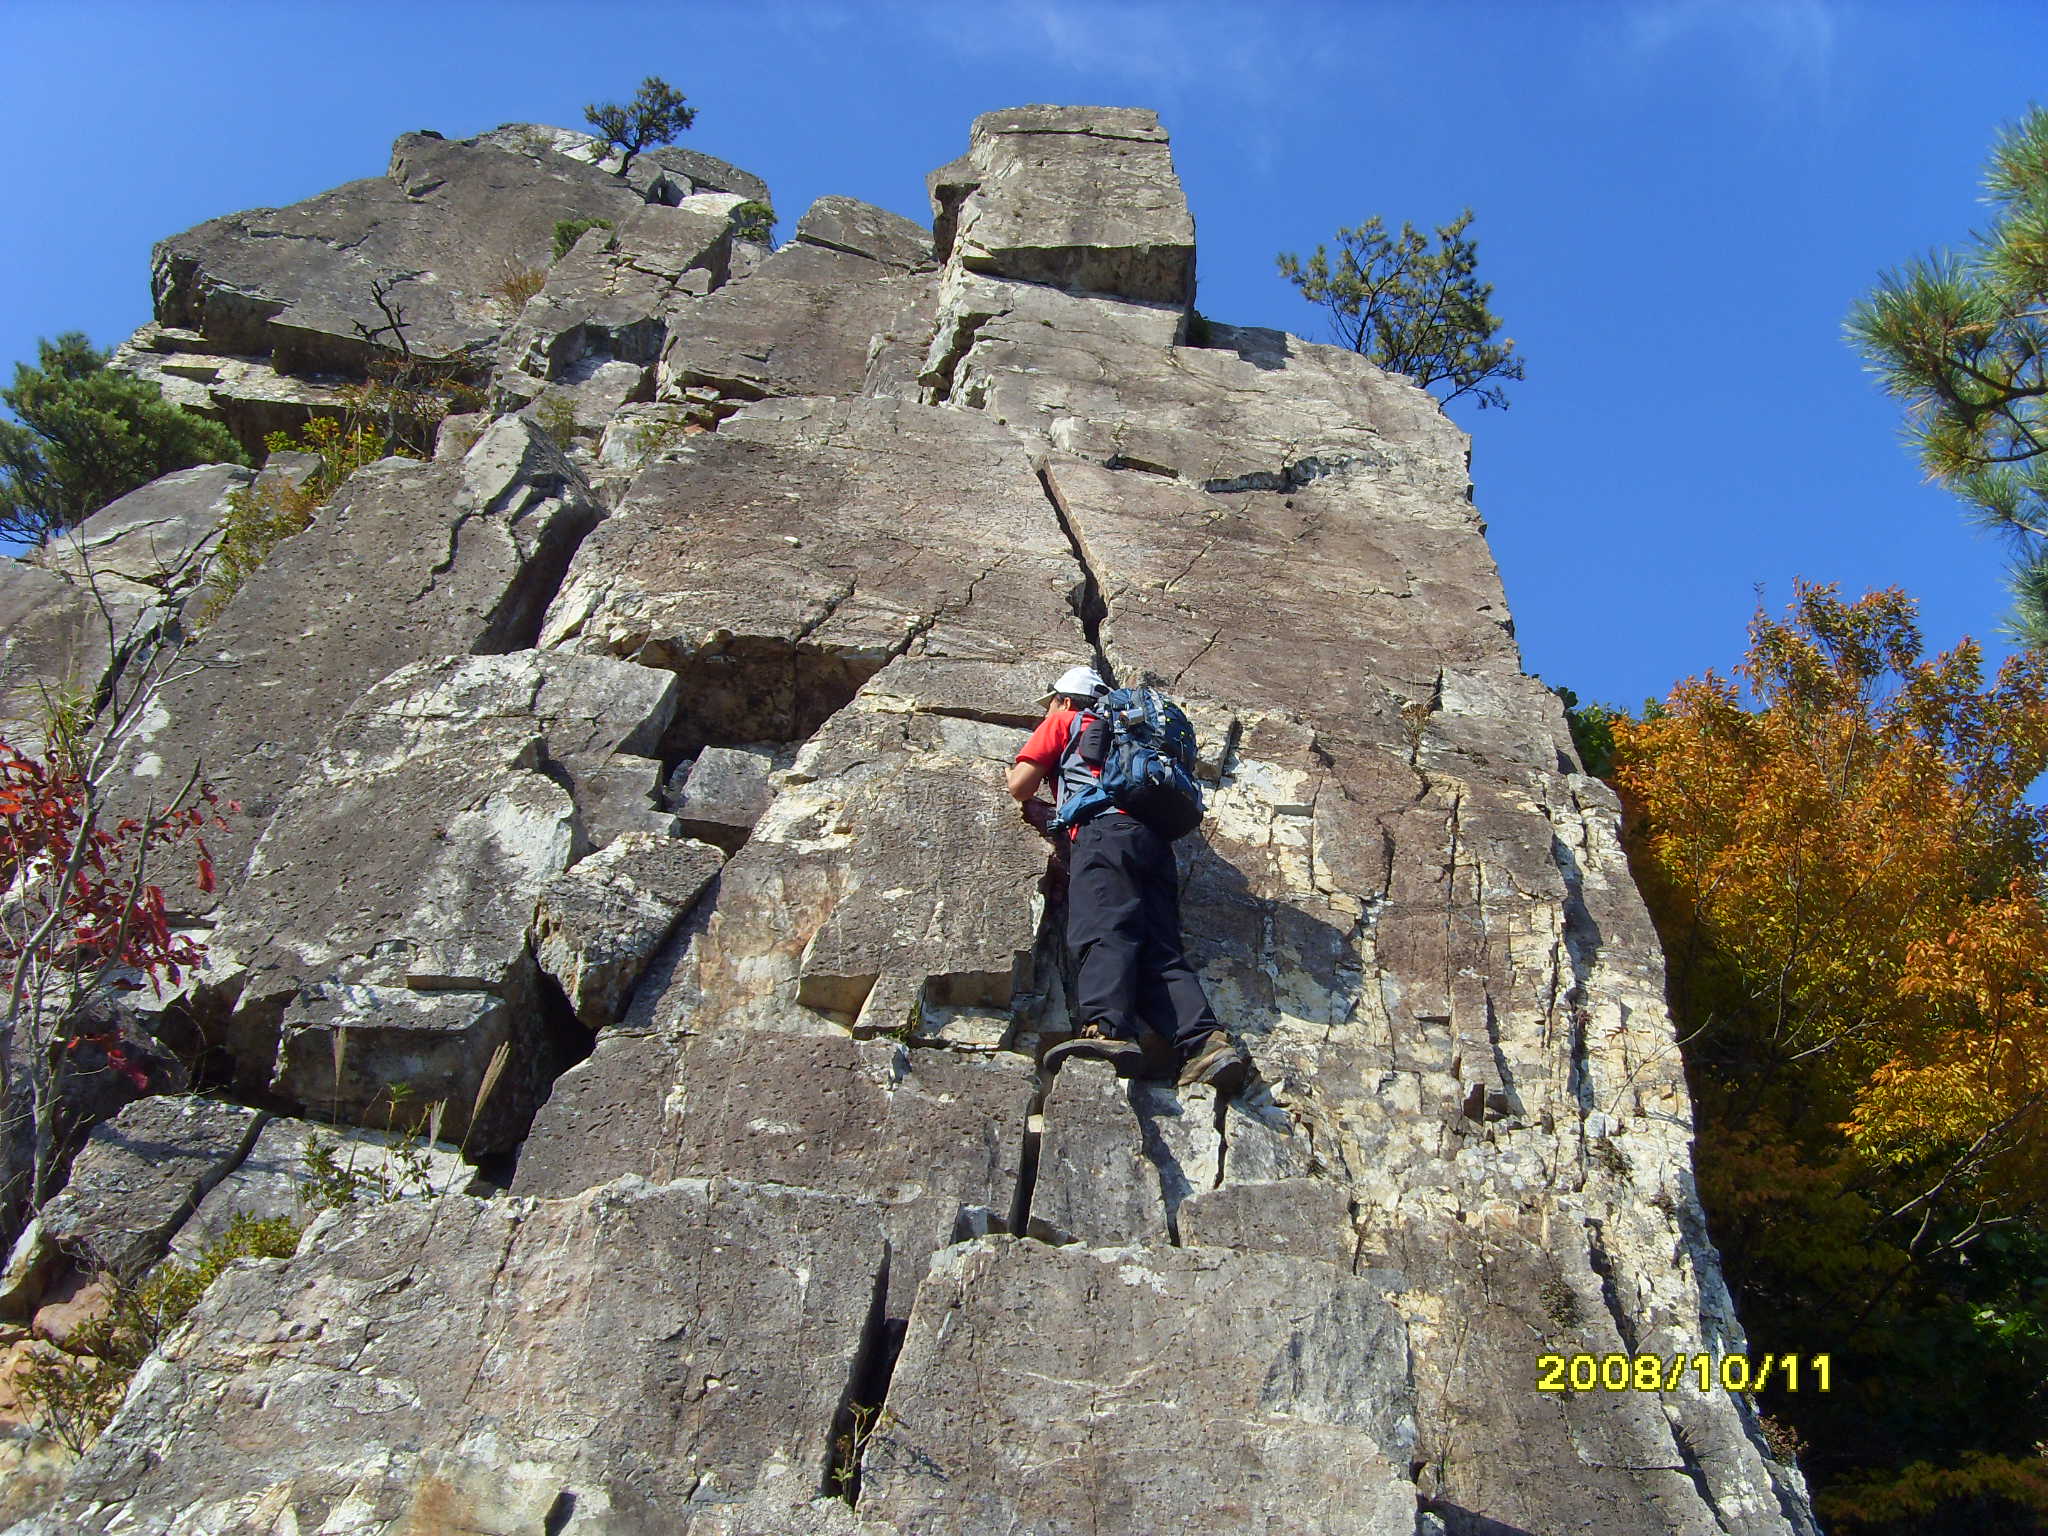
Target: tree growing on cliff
[[1413, 304], [655, 115], [88, 434], [1962, 338]]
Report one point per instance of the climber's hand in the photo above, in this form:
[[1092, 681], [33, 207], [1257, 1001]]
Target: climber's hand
[[1039, 814]]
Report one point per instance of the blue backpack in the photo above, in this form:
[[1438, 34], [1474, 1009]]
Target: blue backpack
[[1145, 748]]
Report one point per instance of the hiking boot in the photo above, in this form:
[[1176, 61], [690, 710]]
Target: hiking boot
[[1218, 1061], [1097, 1042]]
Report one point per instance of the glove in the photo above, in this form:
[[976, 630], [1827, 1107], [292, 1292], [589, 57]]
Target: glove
[[1039, 813]]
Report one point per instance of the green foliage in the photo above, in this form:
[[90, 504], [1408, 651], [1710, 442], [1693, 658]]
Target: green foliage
[[754, 221], [655, 115], [263, 515], [555, 414], [64, 718], [1412, 308], [332, 1183], [1961, 338], [569, 231], [87, 435], [76, 1391], [1592, 727]]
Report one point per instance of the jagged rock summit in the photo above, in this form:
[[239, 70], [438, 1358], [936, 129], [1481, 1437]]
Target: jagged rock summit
[[628, 779]]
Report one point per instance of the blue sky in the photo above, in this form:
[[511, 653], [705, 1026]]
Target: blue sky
[[1676, 203]]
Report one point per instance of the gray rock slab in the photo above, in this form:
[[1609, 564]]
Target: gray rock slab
[[890, 866], [141, 1174], [635, 1352], [1247, 597], [604, 1117], [846, 224], [611, 297], [155, 536], [445, 800], [1207, 1392], [1261, 1143], [598, 924], [241, 391], [439, 227], [622, 796], [276, 1178], [1078, 197], [1308, 1218], [725, 794], [925, 1133], [666, 174], [1095, 1184], [409, 561], [59, 640], [772, 565], [799, 325], [1181, 1139], [1112, 381]]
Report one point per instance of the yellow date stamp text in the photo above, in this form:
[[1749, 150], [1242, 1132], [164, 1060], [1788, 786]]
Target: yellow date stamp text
[[1670, 1373]]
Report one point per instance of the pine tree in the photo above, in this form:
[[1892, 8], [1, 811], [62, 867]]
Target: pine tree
[[1962, 338], [655, 115], [88, 434], [1411, 308]]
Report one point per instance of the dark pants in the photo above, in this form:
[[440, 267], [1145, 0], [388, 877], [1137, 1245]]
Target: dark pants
[[1123, 925]]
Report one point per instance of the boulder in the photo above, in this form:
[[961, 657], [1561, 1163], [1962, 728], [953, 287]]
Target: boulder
[[157, 536], [141, 1174], [725, 794], [1077, 197], [694, 1347], [769, 565], [927, 1134], [599, 923], [666, 174], [800, 324], [434, 235], [59, 642], [844, 224], [1095, 1186], [1199, 1391], [611, 299], [1308, 1218], [446, 799], [73, 610], [407, 561]]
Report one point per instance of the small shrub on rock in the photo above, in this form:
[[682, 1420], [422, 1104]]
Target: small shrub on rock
[[518, 283], [569, 231], [76, 1391], [754, 221], [263, 515], [556, 416]]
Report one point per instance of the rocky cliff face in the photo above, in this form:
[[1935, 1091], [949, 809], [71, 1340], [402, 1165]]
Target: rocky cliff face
[[665, 774]]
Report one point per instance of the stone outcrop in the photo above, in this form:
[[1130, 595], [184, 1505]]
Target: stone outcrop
[[74, 609], [409, 561], [263, 317], [797, 1235]]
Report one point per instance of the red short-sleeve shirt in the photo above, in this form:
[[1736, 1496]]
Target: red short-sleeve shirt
[[1049, 740]]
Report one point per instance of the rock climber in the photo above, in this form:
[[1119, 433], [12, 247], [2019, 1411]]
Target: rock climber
[[1123, 914]]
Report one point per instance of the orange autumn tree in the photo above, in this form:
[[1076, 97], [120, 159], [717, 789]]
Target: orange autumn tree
[[1850, 884]]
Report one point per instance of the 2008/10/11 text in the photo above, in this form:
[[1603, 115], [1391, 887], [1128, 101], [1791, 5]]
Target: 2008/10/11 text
[[1667, 1373]]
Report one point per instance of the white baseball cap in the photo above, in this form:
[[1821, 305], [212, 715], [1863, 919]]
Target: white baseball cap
[[1076, 682]]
